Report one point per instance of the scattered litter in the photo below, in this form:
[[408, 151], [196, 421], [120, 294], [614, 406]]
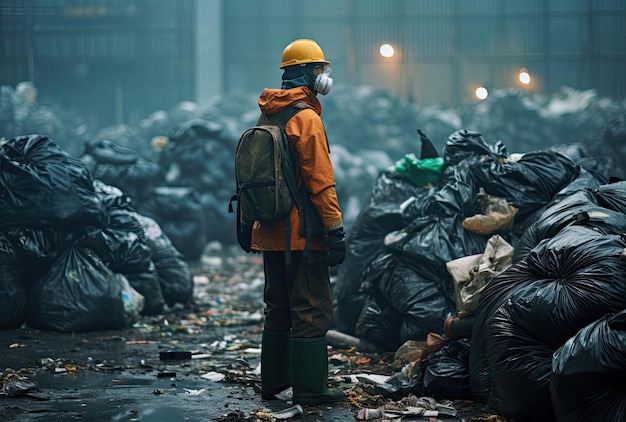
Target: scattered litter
[[194, 392], [291, 412], [16, 385], [166, 374], [201, 356], [424, 407], [137, 342], [214, 261], [200, 279], [176, 355], [288, 413], [366, 378], [235, 416], [285, 395], [257, 370], [213, 376], [369, 414]]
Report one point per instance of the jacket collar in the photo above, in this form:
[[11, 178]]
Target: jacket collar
[[272, 101]]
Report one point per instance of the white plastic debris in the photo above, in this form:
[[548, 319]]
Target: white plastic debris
[[288, 413], [213, 376], [194, 392], [285, 395]]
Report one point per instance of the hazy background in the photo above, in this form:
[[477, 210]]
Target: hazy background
[[117, 61]]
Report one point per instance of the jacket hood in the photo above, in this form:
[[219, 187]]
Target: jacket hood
[[272, 101]]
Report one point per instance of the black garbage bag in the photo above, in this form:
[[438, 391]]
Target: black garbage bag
[[435, 240], [584, 181], [579, 209], [128, 253], [453, 196], [144, 279], [379, 323], [519, 371], [122, 167], [79, 293], [421, 296], [612, 196], [380, 214], [527, 183], [39, 247], [444, 374], [174, 274], [197, 155], [576, 277], [41, 185], [428, 150], [112, 197], [589, 370], [13, 293], [180, 214], [464, 144], [420, 293], [121, 249], [494, 295], [553, 218]]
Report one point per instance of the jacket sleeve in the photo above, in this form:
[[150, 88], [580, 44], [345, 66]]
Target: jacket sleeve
[[306, 132]]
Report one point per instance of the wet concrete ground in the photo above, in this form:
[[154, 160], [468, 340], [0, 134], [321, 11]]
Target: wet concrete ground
[[119, 376]]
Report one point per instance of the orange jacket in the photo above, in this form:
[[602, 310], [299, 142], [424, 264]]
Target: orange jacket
[[306, 133]]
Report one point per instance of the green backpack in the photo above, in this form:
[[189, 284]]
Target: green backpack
[[265, 175]]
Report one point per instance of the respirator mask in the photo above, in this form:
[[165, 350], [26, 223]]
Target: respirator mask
[[323, 81]]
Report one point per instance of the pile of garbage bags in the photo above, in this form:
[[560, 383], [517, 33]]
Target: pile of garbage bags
[[544, 288], [74, 253], [531, 328], [405, 235], [186, 151]]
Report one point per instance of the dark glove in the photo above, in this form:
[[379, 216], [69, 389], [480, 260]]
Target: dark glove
[[336, 243]]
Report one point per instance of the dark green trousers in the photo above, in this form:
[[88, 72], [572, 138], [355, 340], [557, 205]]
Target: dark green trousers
[[298, 297]]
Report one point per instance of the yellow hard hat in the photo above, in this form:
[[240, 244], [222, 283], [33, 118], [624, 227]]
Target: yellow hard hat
[[302, 51]]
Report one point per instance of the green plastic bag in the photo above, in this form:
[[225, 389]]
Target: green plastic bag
[[422, 172]]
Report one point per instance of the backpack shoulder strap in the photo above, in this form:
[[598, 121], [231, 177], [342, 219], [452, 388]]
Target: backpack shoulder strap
[[280, 119]]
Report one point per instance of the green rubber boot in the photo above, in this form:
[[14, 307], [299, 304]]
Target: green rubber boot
[[309, 363], [275, 365]]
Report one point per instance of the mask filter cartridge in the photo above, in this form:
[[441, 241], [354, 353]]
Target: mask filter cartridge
[[323, 82]]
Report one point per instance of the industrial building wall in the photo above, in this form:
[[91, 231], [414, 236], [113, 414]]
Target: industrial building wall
[[112, 61], [116, 61], [445, 48]]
